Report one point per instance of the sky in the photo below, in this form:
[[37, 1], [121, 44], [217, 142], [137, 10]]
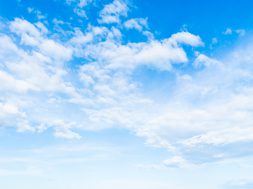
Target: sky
[[127, 94]]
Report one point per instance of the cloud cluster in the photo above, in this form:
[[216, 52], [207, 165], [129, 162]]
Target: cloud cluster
[[112, 12], [208, 104], [79, 7]]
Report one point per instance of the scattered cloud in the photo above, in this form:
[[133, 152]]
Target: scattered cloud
[[113, 12], [228, 31], [204, 61], [136, 23], [37, 13], [208, 105], [240, 32], [187, 38], [79, 7]]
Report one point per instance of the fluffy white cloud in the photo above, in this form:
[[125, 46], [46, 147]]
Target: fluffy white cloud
[[9, 83], [24, 71], [111, 13], [204, 61], [154, 53], [8, 109], [79, 6], [30, 35], [136, 23], [55, 51], [187, 38], [20, 26]]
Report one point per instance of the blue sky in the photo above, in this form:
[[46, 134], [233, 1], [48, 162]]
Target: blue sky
[[126, 94]]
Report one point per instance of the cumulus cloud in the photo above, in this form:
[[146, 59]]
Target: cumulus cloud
[[187, 38], [55, 51], [204, 61], [160, 54]]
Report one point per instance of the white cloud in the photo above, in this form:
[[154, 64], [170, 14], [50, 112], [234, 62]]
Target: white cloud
[[155, 54], [39, 69], [83, 3], [9, 109], [36, 12], [55, 51], [109, 86], [187, 38], [42, 27], [177, 162], [30, 34], [228, 31], [158, 54], [80, 12], [136, 23], [63, 130], [210, 107], [204, 106], [20, 27], [9, 83], [203, 60], [112, 13], [221, 137], [79, 6], [11, 115], [240, 32]]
